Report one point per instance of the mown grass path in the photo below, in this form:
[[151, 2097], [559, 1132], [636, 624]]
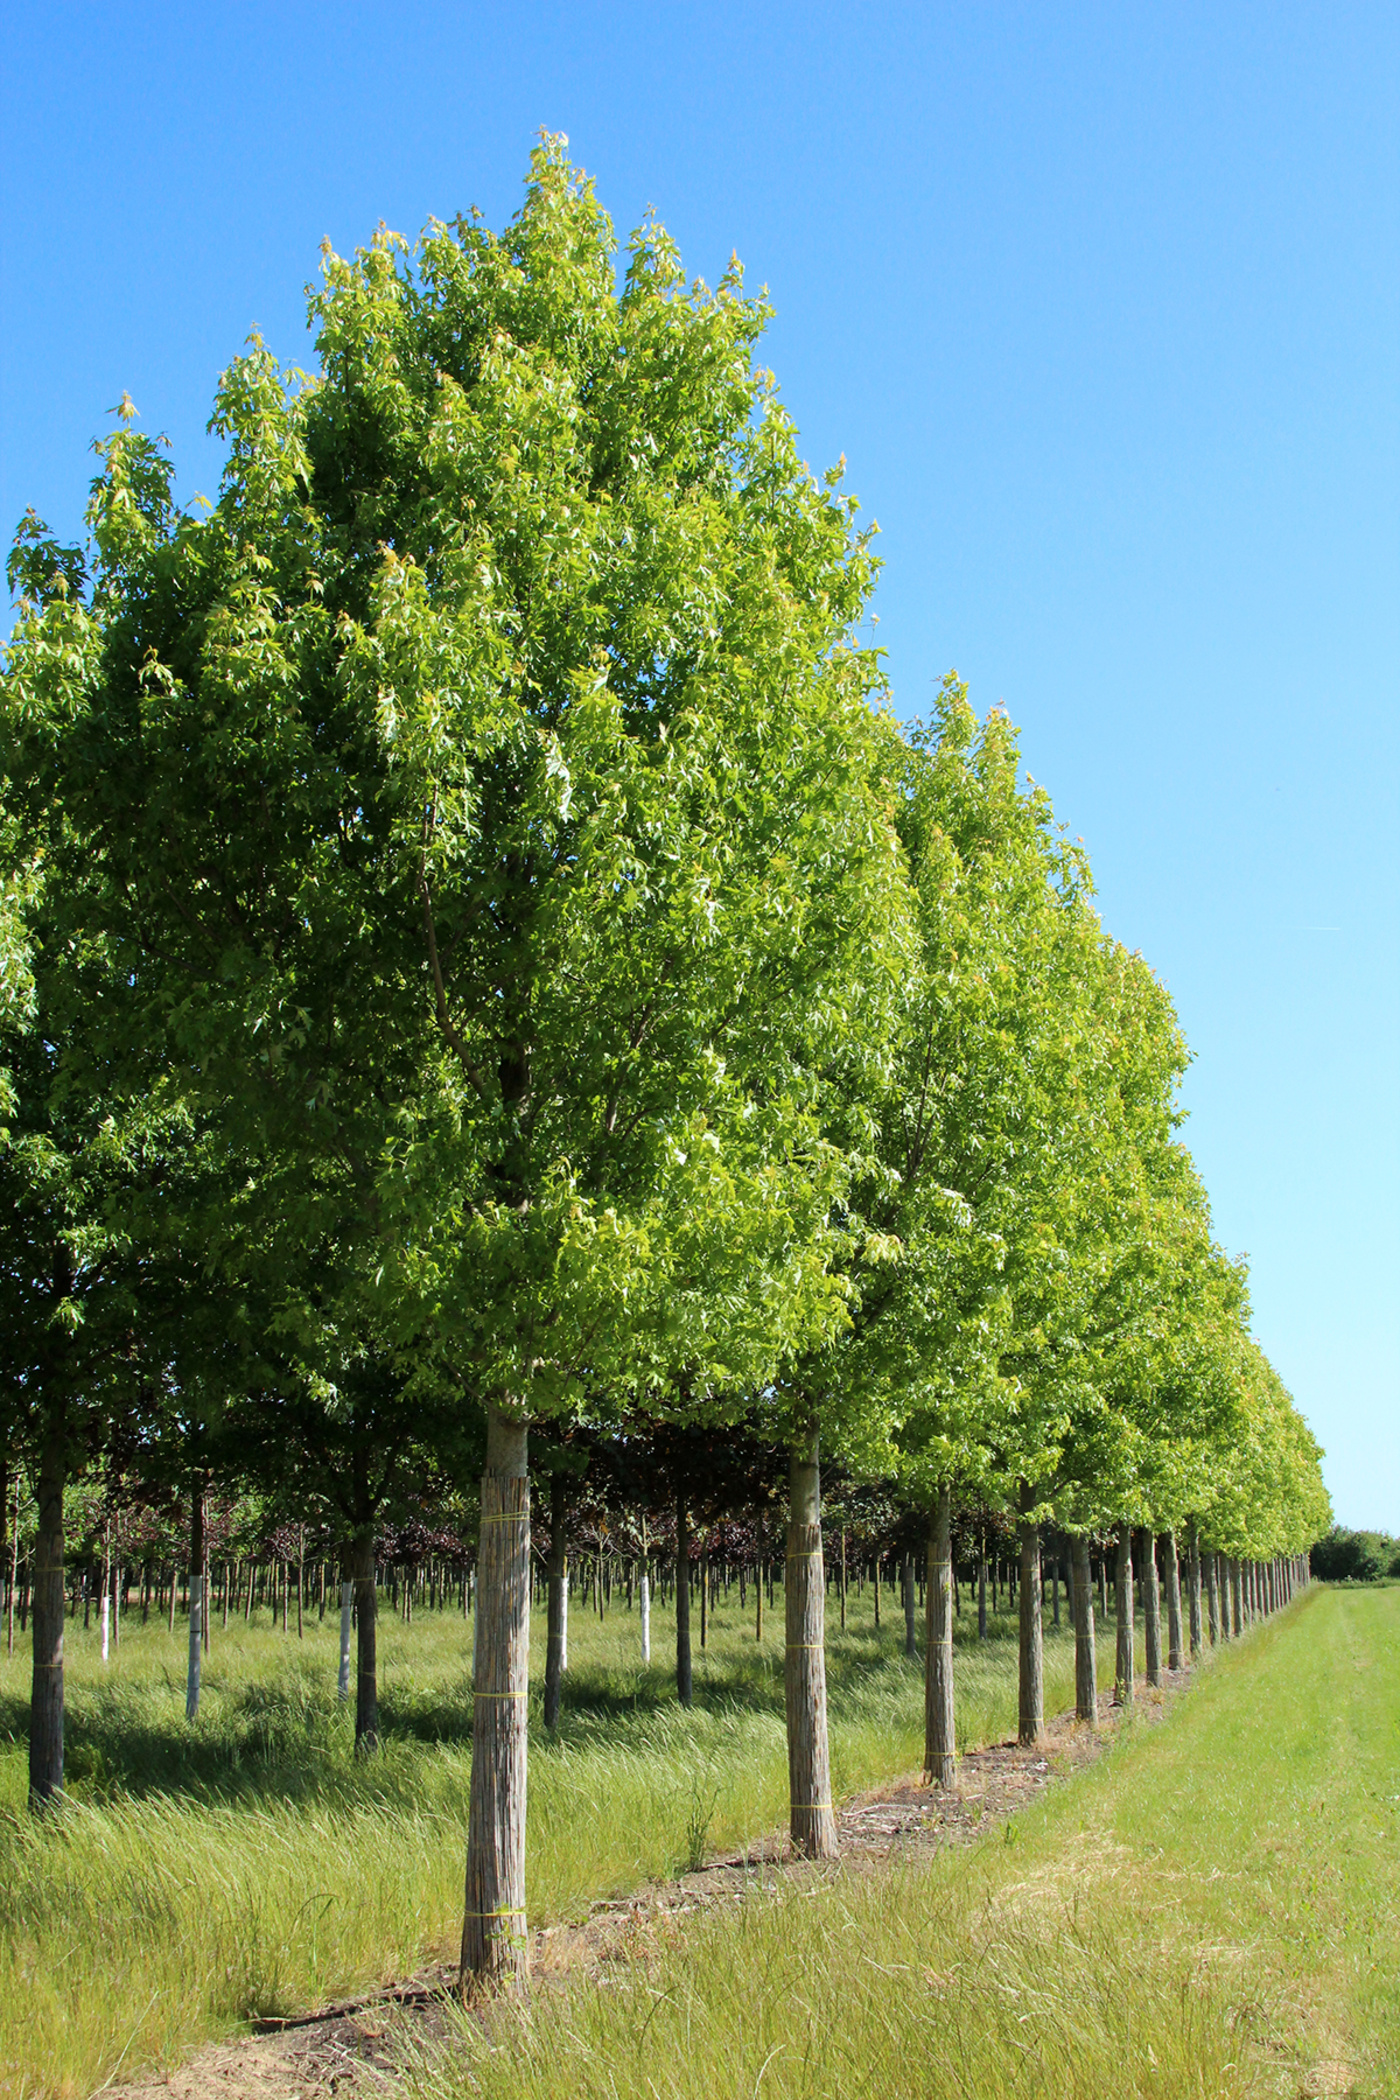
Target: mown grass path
[[1213, 1910]]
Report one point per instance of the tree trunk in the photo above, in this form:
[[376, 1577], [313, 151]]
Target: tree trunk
[[1031, 1720], [1173, 1568], [558, 1601], [982, 1593], [1193, 1585], [684, 1680], [366, 1643], [495, 1943], [940, 1745], [1086, 1682], [192, 1671], [1212, 1600], [1151, 1609], [46, 1696], [347, 1619], [811, 1822], [1123, 1620]]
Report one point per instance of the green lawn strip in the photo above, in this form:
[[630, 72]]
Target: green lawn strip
[[248, 1865], [1210, 1910]]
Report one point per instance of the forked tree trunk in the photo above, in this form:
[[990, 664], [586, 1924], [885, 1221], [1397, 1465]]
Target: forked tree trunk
[[812, 1823], [684, 1679], [1086, 1675], [940, 1745], [46, 1695], [1031, 1717], [1173, 1568], [1123, 1607], [495, 1945], [1151, 1610], [1193, 1585], [366, 1644], [558, 1602], [192, 1672]]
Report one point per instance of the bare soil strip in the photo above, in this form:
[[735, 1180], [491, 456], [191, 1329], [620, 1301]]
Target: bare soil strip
[[360, 2045]]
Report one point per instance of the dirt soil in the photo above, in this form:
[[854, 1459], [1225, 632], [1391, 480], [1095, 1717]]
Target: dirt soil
[[361, 2045]]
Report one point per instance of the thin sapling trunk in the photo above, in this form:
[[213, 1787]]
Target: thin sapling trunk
[[684, 1681], [558, 1602], [1123, 1606], [1031, 1704], [196, 1649], [1086, 1681]]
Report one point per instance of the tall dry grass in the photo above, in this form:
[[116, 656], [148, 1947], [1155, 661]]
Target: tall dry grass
[[199, 1876]]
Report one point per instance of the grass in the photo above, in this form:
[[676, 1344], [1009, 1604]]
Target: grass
[[1212, 1910], [201, 1876]]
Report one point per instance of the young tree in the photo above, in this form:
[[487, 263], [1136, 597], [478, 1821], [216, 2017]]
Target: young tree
[[489, 789]]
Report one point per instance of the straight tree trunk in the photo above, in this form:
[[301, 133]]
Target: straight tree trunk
[[1123, 1620], [1151, 1609], [347, 1620], [684, 1679], [982, 1593], [495, 1943], [940, 1744], [812, 1823], [1193, 1585], [644, 1609], [1086, 1680], [911, 1638], [1212, 1600], [366, 1643], [46, 1695], [1173, 1567], [704, 1598], [14, 1574], [192, 1672], [1236, 1599], [558, 1603], [1031, 1719]]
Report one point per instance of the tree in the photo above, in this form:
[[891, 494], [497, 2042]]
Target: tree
[[488, 787]]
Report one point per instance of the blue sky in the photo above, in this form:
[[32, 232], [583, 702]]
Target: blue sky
[[1100, 303]]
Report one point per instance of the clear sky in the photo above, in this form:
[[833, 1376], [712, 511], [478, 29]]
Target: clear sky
[[1101, 305]]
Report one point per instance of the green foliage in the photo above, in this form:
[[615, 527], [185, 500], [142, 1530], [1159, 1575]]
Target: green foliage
[[1355, 1556]]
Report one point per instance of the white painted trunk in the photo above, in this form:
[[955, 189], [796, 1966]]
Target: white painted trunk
[[347, 1604], [644, 1604], [106, 1621]]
